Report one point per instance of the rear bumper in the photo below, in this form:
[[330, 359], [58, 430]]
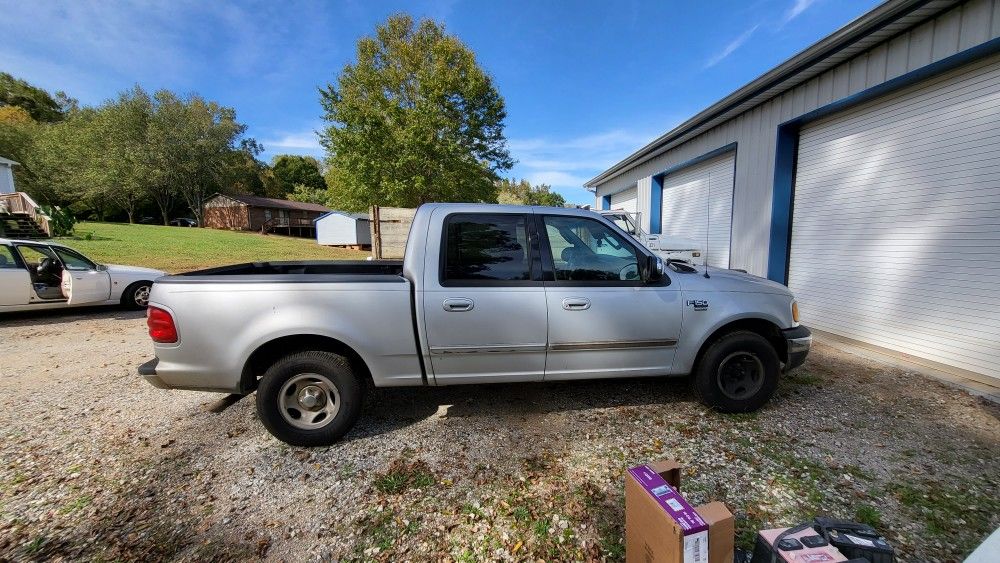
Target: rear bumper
[[799, 341], [163, 377]]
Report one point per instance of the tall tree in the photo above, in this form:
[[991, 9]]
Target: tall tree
[[292, 169], [118, 159], [414, 119], [36, 101]]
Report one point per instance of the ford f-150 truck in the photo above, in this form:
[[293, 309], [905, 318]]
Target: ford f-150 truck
[[484, 294]]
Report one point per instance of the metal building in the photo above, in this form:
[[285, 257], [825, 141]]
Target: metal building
[[864, 172]]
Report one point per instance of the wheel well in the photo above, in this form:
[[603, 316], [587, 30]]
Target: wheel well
[[265, 355], [129, 287], [765, 328]]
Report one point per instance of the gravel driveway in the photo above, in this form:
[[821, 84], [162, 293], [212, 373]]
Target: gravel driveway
[[96, 464]]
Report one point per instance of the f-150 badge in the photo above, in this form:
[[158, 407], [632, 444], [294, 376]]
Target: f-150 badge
[[698, 304]]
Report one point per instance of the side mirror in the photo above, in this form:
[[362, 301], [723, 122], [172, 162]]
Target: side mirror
[[102, 268], [653, 270]]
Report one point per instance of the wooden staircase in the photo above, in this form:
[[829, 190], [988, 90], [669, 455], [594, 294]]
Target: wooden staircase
[[22, 218]]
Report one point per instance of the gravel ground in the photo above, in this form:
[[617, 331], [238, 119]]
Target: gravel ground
[[96, 464]]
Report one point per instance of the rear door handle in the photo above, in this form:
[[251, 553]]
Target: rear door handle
[[576, 303], [458, 304]]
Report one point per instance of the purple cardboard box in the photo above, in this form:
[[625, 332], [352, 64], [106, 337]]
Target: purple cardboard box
[[694, 528]]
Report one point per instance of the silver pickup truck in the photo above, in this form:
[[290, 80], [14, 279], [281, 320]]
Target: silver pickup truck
[[484, 294]]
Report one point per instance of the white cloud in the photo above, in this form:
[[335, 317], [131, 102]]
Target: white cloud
[[566, 164], [307, 141], [796, 10], [731, 47]]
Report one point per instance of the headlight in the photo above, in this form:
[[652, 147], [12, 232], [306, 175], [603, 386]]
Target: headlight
[[795, 311]]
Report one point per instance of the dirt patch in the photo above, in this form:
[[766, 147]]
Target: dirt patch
[[96, 464]]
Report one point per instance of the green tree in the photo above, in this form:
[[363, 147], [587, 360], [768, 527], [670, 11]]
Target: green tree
[[521, 192], [292, 169], [414, 119], [39, 104], [306, 194]]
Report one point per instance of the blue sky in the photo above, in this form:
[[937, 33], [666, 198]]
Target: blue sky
[[586, 82]]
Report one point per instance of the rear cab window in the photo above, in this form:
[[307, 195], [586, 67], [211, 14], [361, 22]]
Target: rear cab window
[[481, 248]]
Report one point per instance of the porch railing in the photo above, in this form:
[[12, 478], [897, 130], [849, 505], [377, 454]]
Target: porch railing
[[20, 202]]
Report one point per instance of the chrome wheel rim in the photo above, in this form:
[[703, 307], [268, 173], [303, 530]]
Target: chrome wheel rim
[[309, 401], [142, 296], [740, 375]]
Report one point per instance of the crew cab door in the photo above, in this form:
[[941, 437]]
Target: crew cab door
[[83, 281], [483, 300], [15, 282], [603, 320]]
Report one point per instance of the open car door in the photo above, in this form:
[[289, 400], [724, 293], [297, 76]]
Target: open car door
[[85, 286]]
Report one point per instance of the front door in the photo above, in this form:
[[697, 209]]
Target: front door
[[83, 281], [603, 320], [15, 283], [484, 308]]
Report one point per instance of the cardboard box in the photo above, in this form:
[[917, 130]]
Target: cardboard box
[[662, 527]]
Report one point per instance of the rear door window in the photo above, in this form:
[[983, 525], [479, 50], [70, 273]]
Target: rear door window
[[7, 259], [485, 248]]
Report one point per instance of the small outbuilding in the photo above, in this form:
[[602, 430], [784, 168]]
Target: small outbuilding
[[7, 175], [340, 228]]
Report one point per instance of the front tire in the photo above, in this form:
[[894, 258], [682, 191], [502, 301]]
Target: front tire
[[136, 296], [738, 373], [309, 398]]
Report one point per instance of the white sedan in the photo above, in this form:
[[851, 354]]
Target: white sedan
[[45, 275]]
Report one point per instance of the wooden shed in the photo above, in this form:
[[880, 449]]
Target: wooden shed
[[252, 213], [340, 228]]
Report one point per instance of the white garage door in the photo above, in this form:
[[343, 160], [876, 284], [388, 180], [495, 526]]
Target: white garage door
[[698, 204], [625, 200], [896, 226]]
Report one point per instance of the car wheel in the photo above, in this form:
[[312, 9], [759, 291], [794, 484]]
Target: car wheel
[[737, 373], [136, 296], [309, 398]]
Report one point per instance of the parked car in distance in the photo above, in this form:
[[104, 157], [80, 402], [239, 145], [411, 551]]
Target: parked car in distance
[[37, 275], [147, 221], [484, 294], [183, 222], [667, 247]]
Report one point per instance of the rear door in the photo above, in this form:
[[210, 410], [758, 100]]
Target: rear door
[[83, 281], [484, 302], [603, 320], [15, 283]]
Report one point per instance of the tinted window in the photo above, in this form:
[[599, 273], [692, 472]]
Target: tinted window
[[588, 250], [7, 258], [486, 247], [73, 260]]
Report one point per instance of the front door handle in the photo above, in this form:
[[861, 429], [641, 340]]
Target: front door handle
[[458, 304], [576, 303]]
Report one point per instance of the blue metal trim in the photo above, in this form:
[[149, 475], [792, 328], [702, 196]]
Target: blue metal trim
[[788, 140], [782, 199], [697, 160], [606, 202], [656, 205]]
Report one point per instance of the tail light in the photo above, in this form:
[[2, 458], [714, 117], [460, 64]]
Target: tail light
[[161, 326]]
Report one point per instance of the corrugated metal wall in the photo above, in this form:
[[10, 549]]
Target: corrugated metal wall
[[960, 28]]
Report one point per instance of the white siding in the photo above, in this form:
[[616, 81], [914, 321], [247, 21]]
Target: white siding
[[698, 204], [755, 129], [625, 200], [896, 227], [6, 179]]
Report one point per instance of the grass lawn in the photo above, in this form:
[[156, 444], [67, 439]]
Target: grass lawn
[[179, 249]]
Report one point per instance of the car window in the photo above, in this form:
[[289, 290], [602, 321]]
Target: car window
[[33, 255], [73, 260], [486, 247], [588, 250], [7, 258]]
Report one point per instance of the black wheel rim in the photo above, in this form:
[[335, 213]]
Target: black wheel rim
[[740, 375]]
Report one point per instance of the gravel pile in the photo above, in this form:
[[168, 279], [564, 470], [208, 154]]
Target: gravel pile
[[96, 464]]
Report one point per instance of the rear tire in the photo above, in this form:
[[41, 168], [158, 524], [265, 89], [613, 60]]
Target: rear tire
[[738, 373], [136, 296], [309, 398]]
